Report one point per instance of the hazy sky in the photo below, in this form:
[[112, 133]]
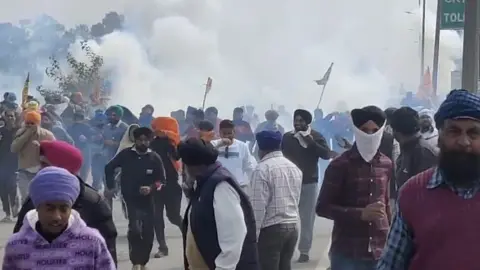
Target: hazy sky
[[259, 52], [67, 11]]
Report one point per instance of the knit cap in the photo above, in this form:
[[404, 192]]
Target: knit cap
[[54, 184]]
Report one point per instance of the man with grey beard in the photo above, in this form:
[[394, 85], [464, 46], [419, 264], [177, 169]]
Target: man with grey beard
[[438, 210]]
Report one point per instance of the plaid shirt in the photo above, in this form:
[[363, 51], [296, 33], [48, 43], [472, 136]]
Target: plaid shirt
[[400, 246], [349, 185], [276, 184]]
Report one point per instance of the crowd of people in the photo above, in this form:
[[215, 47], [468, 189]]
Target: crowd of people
[[400, 185]]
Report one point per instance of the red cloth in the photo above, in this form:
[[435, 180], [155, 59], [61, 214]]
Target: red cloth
[[445, 226], [62, 154]]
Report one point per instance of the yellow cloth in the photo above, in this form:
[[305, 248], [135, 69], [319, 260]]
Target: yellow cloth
[[194, 258], [32, 106]]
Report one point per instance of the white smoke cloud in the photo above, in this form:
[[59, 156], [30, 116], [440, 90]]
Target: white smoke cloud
[[258, 52]]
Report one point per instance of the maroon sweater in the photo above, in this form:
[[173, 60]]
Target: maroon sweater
[[445, 226]]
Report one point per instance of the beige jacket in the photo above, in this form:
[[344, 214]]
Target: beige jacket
[[26, 144]]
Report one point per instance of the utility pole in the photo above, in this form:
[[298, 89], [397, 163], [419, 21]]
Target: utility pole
[[470, 66], [436, 47], [422, 54]]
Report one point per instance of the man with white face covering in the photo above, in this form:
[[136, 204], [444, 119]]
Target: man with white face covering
[[355, 195]]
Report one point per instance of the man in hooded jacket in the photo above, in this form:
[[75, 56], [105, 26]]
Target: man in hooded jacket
[[93, 209]]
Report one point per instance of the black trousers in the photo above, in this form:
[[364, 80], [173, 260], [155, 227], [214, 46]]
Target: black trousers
[[140, 231], [8, 193], [170, 199], [276, 245]]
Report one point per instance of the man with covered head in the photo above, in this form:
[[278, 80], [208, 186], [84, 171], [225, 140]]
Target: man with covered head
[[142, 175], [271, 117], [92, 207], [169, 199], [304, 147], [27, 145], [276, 184], [355, 195], [53, 233], [113, 131], [219, 225], [435, 226]]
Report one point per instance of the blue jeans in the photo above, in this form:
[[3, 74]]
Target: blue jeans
[[340, 262], [98, 171]]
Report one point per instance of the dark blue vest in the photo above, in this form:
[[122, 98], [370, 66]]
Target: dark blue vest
[[202, 220]]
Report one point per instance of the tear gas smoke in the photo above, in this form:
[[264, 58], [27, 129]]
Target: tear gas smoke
[[257, 52]]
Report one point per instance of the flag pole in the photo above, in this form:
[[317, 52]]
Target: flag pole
[[204, 99], [321, 96]]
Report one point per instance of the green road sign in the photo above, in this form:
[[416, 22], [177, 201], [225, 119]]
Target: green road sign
[[453, 14]]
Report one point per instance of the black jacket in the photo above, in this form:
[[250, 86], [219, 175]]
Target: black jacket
[[137, 170], [306, 159], [8, 159], [93, 209], [386, 148], [415, 157], [168, 153]]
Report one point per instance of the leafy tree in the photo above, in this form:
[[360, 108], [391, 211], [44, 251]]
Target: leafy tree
[[84, 77]]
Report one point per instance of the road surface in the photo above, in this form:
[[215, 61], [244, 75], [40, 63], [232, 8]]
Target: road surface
[[174, 261]]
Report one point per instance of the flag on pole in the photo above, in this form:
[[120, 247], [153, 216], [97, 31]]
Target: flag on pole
[[208, 85], [425, 90], [25, 89], [323, 81]]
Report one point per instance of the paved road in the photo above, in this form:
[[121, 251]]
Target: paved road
[[175, 260]]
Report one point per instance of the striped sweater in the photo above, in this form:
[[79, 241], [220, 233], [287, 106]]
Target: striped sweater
[[78, 247]]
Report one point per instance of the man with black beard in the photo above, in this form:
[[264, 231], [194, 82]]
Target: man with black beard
[[304, 147], [436, 225], [142, 175]]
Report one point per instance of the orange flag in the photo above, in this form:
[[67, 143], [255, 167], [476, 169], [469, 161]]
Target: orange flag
[[425, 90]]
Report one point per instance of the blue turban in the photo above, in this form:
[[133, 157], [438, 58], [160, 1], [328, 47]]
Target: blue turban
[[54, 184], [100, 116], [269, 140], [459, 104]]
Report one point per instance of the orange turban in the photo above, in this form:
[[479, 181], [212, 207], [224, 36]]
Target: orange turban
[[168, 126], [32, 117]]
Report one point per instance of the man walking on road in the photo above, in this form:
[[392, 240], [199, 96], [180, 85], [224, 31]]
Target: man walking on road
[[169, 198], [355, 195], [304, 147], [276, 185], [142, 174], [436, 225], [219, 225]]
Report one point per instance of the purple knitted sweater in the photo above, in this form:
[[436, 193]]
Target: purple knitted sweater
[[78, 247]]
